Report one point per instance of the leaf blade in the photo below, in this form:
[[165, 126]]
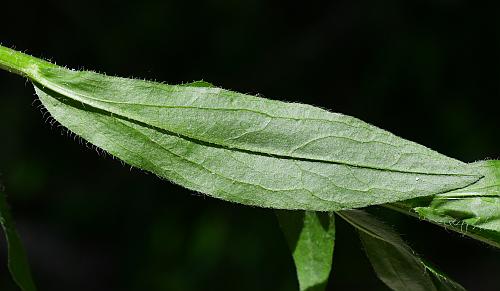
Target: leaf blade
[[392, 259], [17, 260], [311, 238], [249, 123], [239, 176], [473, 211], [320, 160]]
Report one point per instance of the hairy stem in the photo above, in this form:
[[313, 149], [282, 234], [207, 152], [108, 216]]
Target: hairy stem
[[20, 63]]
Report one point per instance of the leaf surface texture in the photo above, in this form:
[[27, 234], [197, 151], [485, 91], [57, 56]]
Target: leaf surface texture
[[243, 148]]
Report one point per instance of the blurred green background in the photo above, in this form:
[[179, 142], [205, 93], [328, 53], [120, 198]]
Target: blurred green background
[[428, 71]]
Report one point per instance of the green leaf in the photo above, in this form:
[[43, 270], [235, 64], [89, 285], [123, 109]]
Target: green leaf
[[488, 186], [473, 210], [393, 260], [241, 148], [311, 238], [17, 261]]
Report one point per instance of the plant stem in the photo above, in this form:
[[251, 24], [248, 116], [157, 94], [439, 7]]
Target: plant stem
[[20, 63]]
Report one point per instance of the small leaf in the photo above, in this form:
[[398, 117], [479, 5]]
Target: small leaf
[[311, 238], [489, 186], [17, 260], [392, 259], [238, 147], [473, 211]]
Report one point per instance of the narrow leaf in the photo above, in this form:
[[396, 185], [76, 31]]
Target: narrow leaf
[[241, 148], [311, 238], [392, 259], [17, 261], [473, 211]]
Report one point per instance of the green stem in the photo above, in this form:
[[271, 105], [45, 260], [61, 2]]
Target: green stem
[[20, 63]]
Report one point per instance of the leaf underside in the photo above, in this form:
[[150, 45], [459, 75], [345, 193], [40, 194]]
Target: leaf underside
[[246, 149]]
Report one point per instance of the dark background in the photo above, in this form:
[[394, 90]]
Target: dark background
[[428, 71]]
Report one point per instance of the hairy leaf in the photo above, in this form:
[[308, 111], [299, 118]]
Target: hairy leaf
[[311, 238], [473, 211], [241, 148], [393, 260], [17, 261]]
